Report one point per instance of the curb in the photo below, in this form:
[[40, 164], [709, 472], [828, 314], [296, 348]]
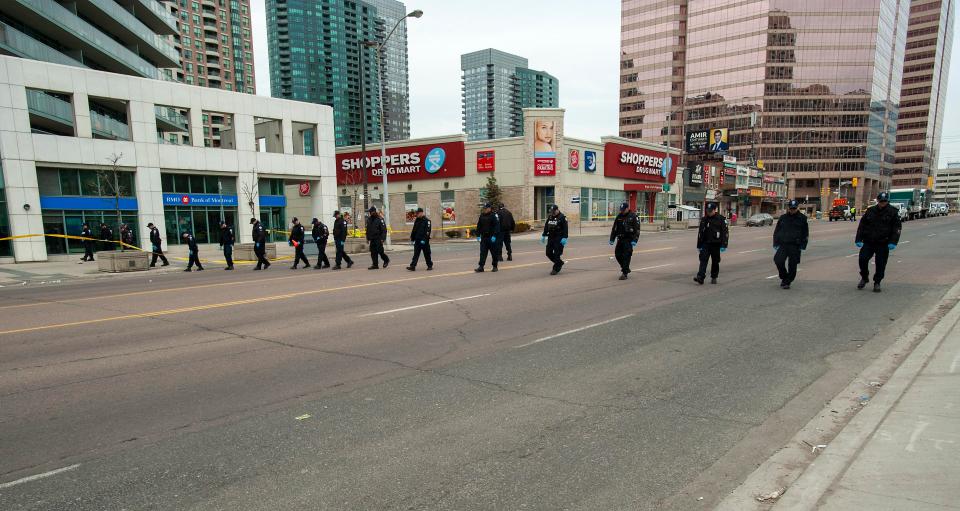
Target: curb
[[806, 477]]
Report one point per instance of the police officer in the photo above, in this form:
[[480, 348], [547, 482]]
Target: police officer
[[712, 239], [88, 242], [420, 237], [339, 239], [507, 224], [156, 246], [853, 214], [877, 234], [320, 235], [626, 233], [126, 237], [260, 244], [227, 239], [488, 228], [297, 235], [106, 236], [555, 236], [789, 239], [376, 235], [194, 251]]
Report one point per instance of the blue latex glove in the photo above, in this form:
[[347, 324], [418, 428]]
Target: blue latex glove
[[859, 244], [493, 239], [256, 245], [611, 243], [478, 239], [723, 249], [633, 244], [776, 247], [563, 241], [543, 239], [700, 249], [892, 246], [290, 243], [423, 242]]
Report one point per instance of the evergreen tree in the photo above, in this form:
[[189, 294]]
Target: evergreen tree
[[492, 192]]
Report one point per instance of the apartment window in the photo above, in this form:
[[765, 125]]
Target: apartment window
[[50, 112]]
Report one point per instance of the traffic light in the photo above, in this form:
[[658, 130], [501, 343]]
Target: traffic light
[[855, 181]]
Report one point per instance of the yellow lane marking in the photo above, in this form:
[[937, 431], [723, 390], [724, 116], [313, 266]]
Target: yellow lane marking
[[286, 296]]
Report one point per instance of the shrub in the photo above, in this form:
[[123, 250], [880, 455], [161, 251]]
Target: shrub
[[453, 233], [521, 227]]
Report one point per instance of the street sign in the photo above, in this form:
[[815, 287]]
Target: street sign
[[666, 187], [574, 200]]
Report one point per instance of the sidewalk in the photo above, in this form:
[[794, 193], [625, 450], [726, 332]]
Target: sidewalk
[[902, 451]]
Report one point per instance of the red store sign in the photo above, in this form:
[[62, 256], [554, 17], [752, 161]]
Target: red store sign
[[486, 161], [544, 166], [626, 162], [436, 161]]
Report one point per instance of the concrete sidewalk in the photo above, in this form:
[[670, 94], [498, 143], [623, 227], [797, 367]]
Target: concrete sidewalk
[[902, 451]]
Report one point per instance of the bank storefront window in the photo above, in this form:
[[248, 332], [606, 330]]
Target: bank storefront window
[[71, 197], [273, 204], [196, 204], [5, 246], [600, 205]]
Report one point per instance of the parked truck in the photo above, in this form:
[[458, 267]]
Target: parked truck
[[916, 201]]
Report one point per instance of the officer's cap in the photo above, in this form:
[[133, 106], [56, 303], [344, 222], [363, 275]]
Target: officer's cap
[[315, 221], [712, 206], [253, 221], [554, 208], [624, 206], [487, 205], [149, 224], [373, 209], [883, 197], [793, 204], [419, 210], [295, 219]]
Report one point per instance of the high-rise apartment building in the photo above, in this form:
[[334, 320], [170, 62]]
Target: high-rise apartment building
[[822, 79], [924, 91], [120, 36], [317, 54], [497, 86]]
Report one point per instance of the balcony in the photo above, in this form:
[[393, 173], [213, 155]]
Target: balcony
[[130, 30], [50, 112], [169, 120], [154, 15], [17, 43], [105, 126]]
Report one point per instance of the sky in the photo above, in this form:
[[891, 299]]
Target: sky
[[578, 45]]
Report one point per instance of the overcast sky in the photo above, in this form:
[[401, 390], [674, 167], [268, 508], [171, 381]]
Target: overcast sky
[[575, 40]]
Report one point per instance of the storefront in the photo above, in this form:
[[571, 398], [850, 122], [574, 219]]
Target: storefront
[[5, 246]]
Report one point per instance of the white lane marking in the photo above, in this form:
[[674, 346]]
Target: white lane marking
[[772, 277], [904, 242], [652, 267], [38, 476], [954, 364], [915, 435], [424, 305], [953, 230], [931, 235], [575, 330], [751, 251], [855, 254]]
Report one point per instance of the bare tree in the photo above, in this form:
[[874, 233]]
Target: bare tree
[[108, 184], [250, 190]]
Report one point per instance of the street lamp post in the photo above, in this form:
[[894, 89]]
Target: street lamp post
[[786, 173], [383, 141]]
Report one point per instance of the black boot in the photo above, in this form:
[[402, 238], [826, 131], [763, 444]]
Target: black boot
[[876, 287], [623, 276], [862, 284], [698, 280]]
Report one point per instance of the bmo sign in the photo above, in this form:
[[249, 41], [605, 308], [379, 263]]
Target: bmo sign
[[438, 161], [625, 162]]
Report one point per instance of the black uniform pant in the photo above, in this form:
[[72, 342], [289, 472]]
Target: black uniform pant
[[787, 259], [341, 253], [503, 241], [322, 261], [157, 254], [554, 251], [228, 255], [298, 255], [88, 251], [261, 252], [194, 260], [423, 248], [709, 252], [377, 253], [870, 250], [624, 253], [487, 247]]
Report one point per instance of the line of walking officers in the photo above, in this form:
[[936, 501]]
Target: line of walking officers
[[877, 235]]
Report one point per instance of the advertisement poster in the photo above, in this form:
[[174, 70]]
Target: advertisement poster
[[695, 174], [590, 161], [544, 150], [411, 213], [574, 159], [718, 140], [486, 161], [449, 209], [698, 141]]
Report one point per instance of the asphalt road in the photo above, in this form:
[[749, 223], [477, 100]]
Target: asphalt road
[[443, 389]]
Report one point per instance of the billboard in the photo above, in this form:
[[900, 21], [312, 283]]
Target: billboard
[[719, 142], [694, 175], [627, 162], [486, 161], [436, 161], [698, 141], [544, 147]]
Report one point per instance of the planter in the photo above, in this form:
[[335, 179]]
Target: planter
[[244, 251], [116, 262], [648, 227], [356, 246]]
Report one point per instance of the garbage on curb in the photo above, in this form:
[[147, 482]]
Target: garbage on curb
[[876, 384], [864, 400], [818, 447], [774, 495]]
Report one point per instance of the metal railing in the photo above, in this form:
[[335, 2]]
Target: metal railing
[[49, 106]]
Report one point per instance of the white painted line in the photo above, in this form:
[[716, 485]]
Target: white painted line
[[904, 242], [751, 251], [855, 254], [38, 476], [575, 330], [653, 267], [955, 364], [424, 305], [953, 230], [917, 431], [772, 277], [931, 235]]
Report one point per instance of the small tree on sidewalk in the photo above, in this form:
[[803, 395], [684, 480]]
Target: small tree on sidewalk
[[109, 185], [492, 192]]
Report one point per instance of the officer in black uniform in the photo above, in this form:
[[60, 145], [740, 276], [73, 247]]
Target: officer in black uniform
[[376, 236], [194, 252], [488, 228], [789, 239], [106, 236], [227, 239], [156, 245], [420, 237], [126, 237], [260, 244], [507, 224], [877, 235], [88, 242], [625, 233], [320, 235], [297, 235], [339, 239], [555, 236], [712, 239]]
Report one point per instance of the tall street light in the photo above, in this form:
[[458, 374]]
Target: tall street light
[[786, 173], [383, 138]]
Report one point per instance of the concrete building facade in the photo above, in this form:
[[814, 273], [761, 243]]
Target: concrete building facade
[[946, 186], [62, 128]]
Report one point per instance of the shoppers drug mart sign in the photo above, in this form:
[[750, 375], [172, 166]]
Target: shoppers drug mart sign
[[626, 162], [435, 161]]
